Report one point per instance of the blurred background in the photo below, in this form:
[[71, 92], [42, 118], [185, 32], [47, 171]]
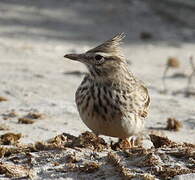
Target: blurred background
[[35, 78], [66, 20]]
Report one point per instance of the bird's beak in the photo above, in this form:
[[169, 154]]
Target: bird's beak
[[75, 57]]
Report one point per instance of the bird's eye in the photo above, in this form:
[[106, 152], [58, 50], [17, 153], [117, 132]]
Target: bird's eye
[[98, 57]]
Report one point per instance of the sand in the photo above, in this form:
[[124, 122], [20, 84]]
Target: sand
[[35, 78]]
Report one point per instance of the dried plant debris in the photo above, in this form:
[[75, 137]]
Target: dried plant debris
[[91, 141], [159, 141], [156, 162], [70, 167], [30, 118], [6, 151], [10, 138], [62, 141], [185, 151], [72, 158], [149, 159], [85, 140], [85, 167], [15, 171], [65, 154], [25, 121], [115, 160], [34, 115], [167, 172], [90, 167], [172, 62], [173, 124], [125, 172], [42, 146], [2, 151], [3, 99]]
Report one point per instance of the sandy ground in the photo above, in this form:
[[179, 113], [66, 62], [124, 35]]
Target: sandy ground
[[34, 36]]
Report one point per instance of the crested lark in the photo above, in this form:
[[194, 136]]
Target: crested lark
[[110, 100]]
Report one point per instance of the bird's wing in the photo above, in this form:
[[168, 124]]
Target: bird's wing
[[146, 101], [140, 99]]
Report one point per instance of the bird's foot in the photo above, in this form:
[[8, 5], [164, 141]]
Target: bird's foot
[[128, 143]]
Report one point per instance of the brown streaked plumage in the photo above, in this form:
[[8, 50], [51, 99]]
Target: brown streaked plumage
[[110, 100]]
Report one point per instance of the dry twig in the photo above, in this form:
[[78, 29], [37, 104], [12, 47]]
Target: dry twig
[[172, 62], [173, 124], [188, 93]]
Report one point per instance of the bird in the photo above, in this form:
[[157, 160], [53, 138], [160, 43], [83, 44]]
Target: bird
[[110, 100]]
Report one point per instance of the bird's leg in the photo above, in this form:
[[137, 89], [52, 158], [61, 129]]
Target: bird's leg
[[129, 143], [125, 144], [133, 141]]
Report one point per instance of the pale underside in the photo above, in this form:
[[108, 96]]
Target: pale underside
[[112, 109]]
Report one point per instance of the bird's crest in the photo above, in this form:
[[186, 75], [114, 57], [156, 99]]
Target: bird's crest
[[111, 46]]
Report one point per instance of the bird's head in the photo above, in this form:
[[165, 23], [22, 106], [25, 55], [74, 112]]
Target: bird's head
[[104, 60]]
